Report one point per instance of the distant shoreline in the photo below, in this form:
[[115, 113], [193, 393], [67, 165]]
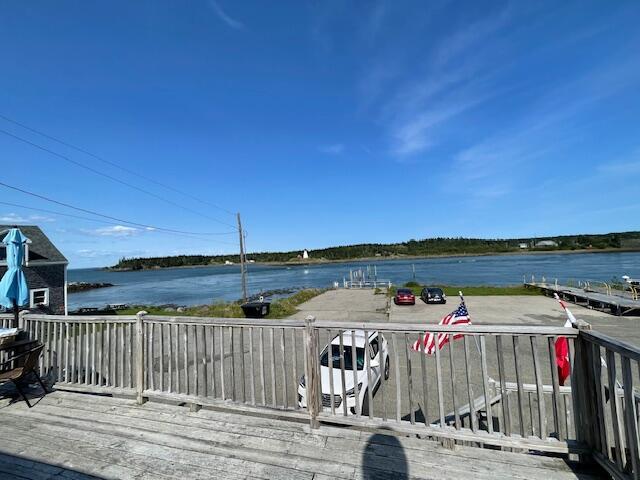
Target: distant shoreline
[[311, 261]]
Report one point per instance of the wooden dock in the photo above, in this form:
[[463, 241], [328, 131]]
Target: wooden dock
[[79, 436], [597, 300]]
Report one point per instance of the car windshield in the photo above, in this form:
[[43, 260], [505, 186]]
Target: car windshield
[[404, 291], [435, 291], [324, 360]]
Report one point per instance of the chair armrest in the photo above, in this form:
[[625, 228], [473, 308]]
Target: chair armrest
[[20, 355]]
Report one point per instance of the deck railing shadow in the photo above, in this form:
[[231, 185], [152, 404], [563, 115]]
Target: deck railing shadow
[[493, 385]]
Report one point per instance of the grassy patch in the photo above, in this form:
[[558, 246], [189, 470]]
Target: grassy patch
[[479, 290], [288, 306], [280, 308]]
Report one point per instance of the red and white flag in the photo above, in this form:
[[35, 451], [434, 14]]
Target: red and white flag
[[431, 341], [562, 346]]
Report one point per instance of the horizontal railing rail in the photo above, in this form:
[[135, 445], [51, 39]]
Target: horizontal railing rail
[[465, 329], [489, 385]]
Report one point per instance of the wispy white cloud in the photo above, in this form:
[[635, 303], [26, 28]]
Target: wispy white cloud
[[413, 133], [333, 149], [19, 219], [446, 82], [226, 18], [464, 39], [627, 166], [502, 162], [89, 253], [116, 231]]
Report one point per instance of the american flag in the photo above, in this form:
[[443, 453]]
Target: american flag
[[459, 316]]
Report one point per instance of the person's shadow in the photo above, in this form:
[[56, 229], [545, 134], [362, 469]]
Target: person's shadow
[[384, 458]]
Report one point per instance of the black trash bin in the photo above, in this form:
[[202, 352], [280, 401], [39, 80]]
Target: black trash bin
[[256, 309]]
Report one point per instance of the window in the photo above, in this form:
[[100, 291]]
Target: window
[[39, 297], [374, 347], [335, 350]]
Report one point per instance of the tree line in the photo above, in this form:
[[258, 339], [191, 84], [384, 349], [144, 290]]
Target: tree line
[[424, 247]]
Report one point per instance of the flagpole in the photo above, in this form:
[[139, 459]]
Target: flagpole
[[475, 337], [573, 321]]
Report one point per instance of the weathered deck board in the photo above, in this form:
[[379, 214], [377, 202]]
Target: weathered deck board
[[115, 438]]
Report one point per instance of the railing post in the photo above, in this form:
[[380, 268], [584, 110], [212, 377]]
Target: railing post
[[140, 356], [311, 373], [21, 324], [583, 393]]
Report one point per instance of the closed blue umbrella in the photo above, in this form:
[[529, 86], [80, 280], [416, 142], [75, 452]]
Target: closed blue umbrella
[[13, 286]]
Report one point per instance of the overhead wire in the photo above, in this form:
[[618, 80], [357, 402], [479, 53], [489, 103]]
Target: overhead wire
[[110, 217], [111, 177], [106, 222], [112, 163]]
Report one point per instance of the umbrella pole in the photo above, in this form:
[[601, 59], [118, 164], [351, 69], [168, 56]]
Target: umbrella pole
[[16, 314]]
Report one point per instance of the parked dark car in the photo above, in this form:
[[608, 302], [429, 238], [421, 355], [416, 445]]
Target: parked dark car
[[404, 296], [433, 295]]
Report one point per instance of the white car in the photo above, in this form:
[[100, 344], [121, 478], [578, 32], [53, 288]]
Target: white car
[[379, 357]]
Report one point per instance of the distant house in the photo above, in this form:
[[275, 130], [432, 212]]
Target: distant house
[[45, 269], [523, 246], [305, 254], [546, 244]]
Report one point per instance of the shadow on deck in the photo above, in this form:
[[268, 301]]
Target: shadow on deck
[[78, 436]]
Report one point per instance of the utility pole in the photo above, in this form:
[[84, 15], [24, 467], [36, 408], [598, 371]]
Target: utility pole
[[243, 268]]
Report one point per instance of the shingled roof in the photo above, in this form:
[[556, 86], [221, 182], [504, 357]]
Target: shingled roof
[[40, 248]]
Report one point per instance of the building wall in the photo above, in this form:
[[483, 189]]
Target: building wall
[[46, 276]]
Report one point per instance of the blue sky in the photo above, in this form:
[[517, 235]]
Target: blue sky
[[323, 123]]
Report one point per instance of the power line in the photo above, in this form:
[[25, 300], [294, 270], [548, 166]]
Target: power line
[[106, 222], [110, 177], [114, 164], [109, 217]]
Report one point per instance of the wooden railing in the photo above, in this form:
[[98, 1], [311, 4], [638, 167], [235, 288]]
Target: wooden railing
[[608, 386], [6, 320], [493, 385], [95, 354]]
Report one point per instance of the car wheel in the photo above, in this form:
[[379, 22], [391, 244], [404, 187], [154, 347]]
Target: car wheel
[[364, 410], [386, 369]]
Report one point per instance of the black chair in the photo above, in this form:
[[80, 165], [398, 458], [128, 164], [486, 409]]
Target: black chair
[[21, 370]]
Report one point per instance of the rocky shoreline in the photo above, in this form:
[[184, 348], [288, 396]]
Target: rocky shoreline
[[75, 287]]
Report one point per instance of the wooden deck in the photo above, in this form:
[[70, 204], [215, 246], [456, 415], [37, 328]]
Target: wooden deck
[[77, 436]]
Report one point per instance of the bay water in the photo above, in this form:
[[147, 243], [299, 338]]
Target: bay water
[[202, 285]]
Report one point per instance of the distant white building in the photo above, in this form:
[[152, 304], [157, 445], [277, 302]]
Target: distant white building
[[523, 246], [305, 254], [546, 244], [228, 262]]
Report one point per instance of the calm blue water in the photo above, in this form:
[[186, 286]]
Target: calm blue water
[[193, 286]]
